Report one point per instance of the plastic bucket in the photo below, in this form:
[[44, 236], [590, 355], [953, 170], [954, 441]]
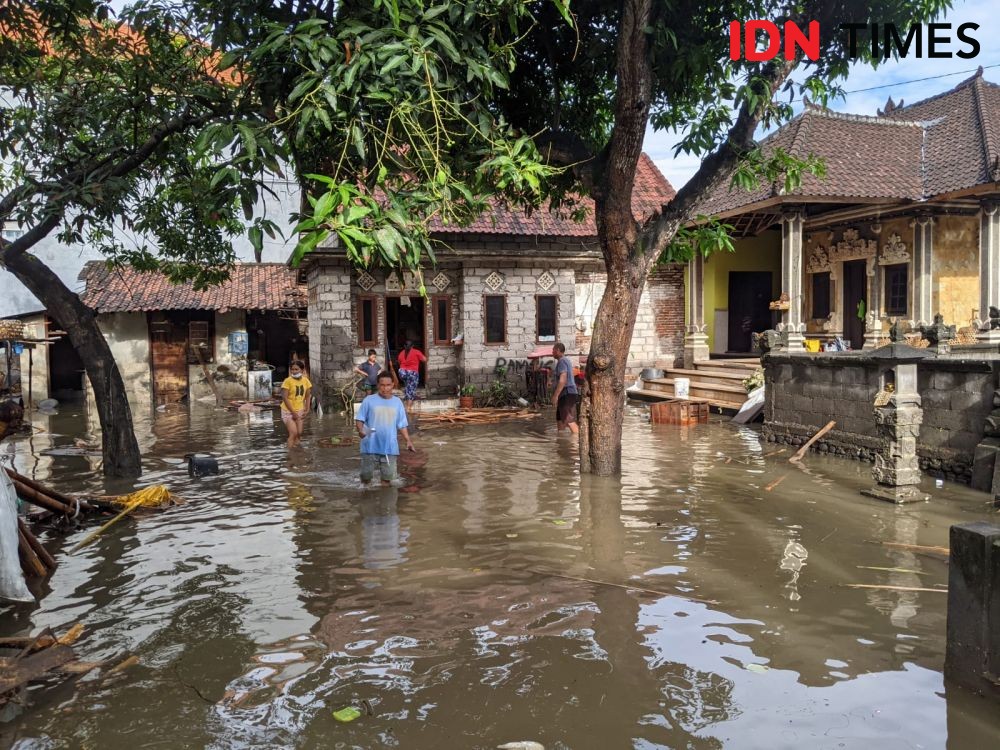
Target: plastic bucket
[[682, 386], [812, 345]]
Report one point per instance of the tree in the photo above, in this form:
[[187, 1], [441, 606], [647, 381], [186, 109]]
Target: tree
[[593, 86], [138, 136]]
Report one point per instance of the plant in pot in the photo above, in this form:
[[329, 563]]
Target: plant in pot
[[466, 396]]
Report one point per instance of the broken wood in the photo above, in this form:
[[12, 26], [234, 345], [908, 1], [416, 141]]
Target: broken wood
[[27, 642], [124, 664], [68, 501], [891, 588], [17, 673], [941, 552], [43, 554], [805, 448], [775, 483], [33, 496]]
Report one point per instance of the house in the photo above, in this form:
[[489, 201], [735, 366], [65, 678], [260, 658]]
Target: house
[[168, 338], [904, 226], [503, 286]]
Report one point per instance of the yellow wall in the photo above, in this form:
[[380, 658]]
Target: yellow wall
[[760, 253], [956, 268]]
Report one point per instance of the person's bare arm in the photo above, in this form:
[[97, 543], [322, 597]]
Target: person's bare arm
[[406, 437], [360, 427], [284, 401], [307, 401], [559, 388]]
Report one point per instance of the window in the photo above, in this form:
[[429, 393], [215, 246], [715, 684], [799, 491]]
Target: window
[[896, 289], [545, 317], [442, 319], [495, 308], [367, 321], [200, 333], [821, 295]]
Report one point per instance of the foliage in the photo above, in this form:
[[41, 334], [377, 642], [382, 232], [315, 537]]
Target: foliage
[[754, 380], [467, 390], [498, 393]]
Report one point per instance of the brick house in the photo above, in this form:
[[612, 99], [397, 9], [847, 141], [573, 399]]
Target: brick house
[[904, 225], [503, 286], [161, 333]]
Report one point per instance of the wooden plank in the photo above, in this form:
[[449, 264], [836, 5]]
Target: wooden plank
[[805, 448], [34, 666]]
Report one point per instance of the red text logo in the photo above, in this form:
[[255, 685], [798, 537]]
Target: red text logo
[[794, 37]]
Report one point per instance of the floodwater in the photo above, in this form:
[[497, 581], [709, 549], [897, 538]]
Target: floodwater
[[453, 612]]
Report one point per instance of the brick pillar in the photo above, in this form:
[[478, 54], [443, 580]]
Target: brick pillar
[[332, 334], [972, 651], [989, 268], [696, 339], [791, 279], [923, 264]]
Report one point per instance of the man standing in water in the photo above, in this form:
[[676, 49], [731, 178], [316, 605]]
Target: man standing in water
[[566, 397], [377, 421]]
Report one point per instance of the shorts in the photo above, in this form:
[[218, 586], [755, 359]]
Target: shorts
[[385, 464], [286, 416], [567, 407]]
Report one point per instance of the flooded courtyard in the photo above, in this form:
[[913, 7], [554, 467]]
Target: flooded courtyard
[[702, 601]]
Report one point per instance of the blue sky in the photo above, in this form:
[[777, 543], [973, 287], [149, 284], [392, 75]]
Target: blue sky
[[899, 79]]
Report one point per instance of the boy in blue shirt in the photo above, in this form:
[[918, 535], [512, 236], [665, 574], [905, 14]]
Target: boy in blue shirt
[[377, 420]]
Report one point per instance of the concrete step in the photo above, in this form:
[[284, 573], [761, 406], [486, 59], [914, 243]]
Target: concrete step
[[727, 396]]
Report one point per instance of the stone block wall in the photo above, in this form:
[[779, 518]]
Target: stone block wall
[[658, 337], [522, 283], [804, 392]]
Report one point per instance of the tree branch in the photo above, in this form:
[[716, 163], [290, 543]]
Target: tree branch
[[567, 149], [715, 168]]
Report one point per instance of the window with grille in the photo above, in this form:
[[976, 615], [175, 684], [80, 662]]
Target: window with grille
[[495, 311], [367, 321], [442, 319], [896, 289]]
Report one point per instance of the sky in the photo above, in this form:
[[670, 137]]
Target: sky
[[898, 78]]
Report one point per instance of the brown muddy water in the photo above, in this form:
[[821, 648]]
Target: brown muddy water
[[451, 607]]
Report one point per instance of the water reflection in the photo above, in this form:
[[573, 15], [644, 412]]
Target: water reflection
[[497, 595]]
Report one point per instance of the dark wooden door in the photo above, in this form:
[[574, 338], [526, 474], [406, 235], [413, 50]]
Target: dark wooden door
[[855, 293], [749, 297], [168, 348]]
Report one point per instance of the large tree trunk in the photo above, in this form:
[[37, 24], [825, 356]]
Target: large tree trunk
[[119, 446]]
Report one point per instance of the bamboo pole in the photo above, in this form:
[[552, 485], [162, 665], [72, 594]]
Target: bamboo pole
[[68, 500], [31, 495], [43, 554], [892, 588], [29, 560], [208, 375], [805, 448]]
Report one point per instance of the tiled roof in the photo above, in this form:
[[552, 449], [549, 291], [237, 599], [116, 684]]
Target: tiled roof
[[251, 286], [650, 192], [945, 143]]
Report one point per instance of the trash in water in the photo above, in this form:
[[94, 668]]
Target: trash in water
[[349, 713], [522, 745], [758, 668]]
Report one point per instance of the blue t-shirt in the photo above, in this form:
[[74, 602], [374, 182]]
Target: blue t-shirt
[[565, 365], [383, 417]]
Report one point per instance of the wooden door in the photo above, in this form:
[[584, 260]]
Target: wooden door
[[855, 293], [749, 297], [168, 348]]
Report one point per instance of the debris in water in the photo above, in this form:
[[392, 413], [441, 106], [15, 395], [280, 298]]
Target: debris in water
[[522, 745], [346, 714], [758, 668]]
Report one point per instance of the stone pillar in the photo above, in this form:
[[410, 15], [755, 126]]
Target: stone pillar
[[921, 273], [989, 268], [696, 339], [972, 651], [873, 321], [792, 324], [332, 334], [898, 415]]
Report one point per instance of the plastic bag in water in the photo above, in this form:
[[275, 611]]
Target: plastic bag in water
[[12, 584]]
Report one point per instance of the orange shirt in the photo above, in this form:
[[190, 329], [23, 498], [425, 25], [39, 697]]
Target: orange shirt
[[412, 360]]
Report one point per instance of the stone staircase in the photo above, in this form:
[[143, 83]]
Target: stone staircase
[[718, 381]]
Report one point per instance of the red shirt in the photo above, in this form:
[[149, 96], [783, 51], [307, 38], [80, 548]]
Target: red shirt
[[412, 360]]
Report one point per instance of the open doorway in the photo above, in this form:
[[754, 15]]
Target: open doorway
[[855, 302], [277, 339], [65, 370], [405, 322], [749, 297]]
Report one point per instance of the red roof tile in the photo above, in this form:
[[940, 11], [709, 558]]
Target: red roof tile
[[251, 286], [650, 192]]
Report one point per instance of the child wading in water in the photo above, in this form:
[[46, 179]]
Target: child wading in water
[[296, 392], [378, 420]]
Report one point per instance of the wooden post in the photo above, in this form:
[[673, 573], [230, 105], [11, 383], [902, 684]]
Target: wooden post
[[805, 448], [30, 365], [43, 554]]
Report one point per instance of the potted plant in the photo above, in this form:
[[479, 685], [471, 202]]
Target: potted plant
[[465, 396]]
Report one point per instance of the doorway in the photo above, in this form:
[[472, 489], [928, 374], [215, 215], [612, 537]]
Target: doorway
[[749, 297], [405, 322], [855, 301], [65, 369], [168, 357]]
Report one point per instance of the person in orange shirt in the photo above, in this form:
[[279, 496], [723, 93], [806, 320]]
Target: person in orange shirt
[[296, 394], [409, 371]]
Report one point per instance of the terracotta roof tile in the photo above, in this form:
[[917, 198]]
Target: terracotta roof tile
[[651, 191], [948, 142], [251, 286]]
